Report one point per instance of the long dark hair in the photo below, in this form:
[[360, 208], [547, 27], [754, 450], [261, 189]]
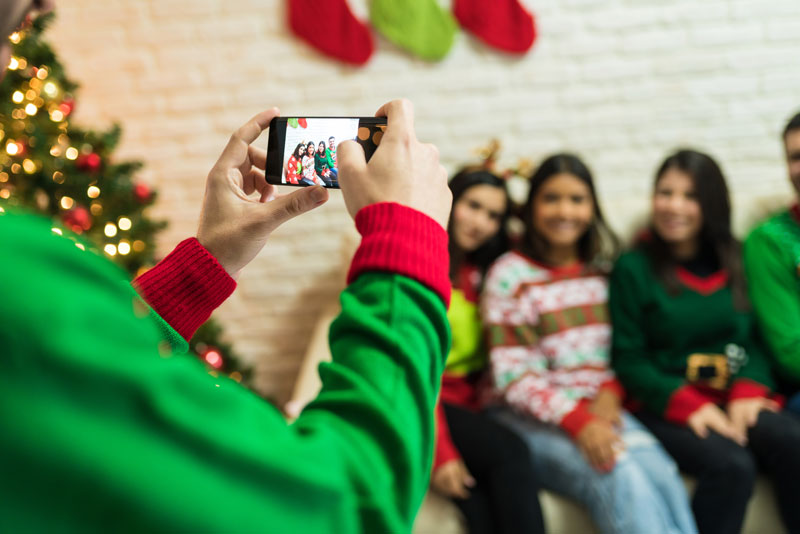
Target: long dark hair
[[297, 149], [599, 245], [322, 146], [496, 245], [712, 194]]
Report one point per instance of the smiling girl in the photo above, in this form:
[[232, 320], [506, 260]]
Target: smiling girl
[[484, 467], [549, 337], [686, 348]]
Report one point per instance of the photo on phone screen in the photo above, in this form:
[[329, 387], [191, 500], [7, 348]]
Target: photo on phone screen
[[302, 150]]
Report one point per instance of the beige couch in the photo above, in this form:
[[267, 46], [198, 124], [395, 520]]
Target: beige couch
[[562, 516]]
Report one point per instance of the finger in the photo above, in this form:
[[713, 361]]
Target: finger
[[399, 117], [283, 208], [752, 416], [467, 479], [236, 151], [258, 156], [249, 181], [351, 160], [270, 192], [699, 429], [771, 405]]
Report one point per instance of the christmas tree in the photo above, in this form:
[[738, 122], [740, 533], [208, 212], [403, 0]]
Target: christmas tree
[[66, 172]]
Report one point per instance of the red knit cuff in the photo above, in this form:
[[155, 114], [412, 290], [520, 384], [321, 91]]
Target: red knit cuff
[[615, 387], [579, 417], [402, 240], [744, 388], [683, 402], [185, 287], [445, 450]]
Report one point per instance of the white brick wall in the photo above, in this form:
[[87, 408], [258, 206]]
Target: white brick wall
[[619, 81]]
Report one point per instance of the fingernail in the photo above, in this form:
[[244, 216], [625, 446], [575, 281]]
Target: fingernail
[[318, 194]]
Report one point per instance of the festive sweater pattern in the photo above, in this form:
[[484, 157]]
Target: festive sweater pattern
[[115, 429], [548, 337], [308, 169], [674, 353], [772, 262], [294, 169]]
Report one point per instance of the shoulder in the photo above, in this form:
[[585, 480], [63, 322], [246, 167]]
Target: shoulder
[[510, 270], [634, 260], [772, 229]]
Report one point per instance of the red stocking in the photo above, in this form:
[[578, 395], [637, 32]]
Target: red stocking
[[330, 27], [502, 24]]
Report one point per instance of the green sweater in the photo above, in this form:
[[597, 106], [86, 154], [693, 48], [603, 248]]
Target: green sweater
[[656, 335], [772, 262], [105, 425]]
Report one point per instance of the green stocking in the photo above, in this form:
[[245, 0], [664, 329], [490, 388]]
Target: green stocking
[[420, 26]]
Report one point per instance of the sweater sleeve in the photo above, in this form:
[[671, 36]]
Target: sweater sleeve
[[773, 292], [185, 287], [445, 450], [520, 371], [660, 392], [153, 440]]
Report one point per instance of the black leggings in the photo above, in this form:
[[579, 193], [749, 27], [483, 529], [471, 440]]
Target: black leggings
[[505, 498], [726, 472]]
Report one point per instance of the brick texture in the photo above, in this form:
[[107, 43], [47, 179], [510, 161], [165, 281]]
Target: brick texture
[[617, 81]]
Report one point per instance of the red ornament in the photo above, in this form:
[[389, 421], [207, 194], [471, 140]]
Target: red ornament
[[66, 106], [213, 357], [303, 123], [77, 219], [142, 192], [89, 162]]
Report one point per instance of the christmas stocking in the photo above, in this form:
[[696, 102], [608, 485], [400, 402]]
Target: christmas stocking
[[502, 24], [330, 27], [420, 26]]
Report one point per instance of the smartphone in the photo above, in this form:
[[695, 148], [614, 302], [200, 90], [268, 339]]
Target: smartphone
[[294, 156]]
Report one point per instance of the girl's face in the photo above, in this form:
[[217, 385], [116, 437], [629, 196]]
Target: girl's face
[[477, 215], [310, 149], [300, 150], [321, 148], [563, 210], [677, 217]]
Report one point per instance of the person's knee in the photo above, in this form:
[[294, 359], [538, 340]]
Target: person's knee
[[735, 466]]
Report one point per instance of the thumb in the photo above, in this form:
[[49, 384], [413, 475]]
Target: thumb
[[351, 160], [289, 206]]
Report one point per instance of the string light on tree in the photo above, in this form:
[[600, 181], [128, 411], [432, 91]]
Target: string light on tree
[[67, 172]]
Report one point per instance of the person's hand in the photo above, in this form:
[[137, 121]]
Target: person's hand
[[234, 226], [452, 479], [743, 413], [600, 443], [402, 170], [710, 417], [606, 405]]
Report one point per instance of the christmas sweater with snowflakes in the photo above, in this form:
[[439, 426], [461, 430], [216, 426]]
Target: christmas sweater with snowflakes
[[549, 336], [772, 261], [676, 352]]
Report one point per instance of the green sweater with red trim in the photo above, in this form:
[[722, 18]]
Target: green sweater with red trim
[[772, 261], [674, 353], [107, 424]]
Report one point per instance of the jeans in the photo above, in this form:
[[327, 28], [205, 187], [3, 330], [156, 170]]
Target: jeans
[[505, 498], [726, 472], [642, 494]]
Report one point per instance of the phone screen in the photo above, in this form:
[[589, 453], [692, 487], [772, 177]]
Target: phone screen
[[302, 150]]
